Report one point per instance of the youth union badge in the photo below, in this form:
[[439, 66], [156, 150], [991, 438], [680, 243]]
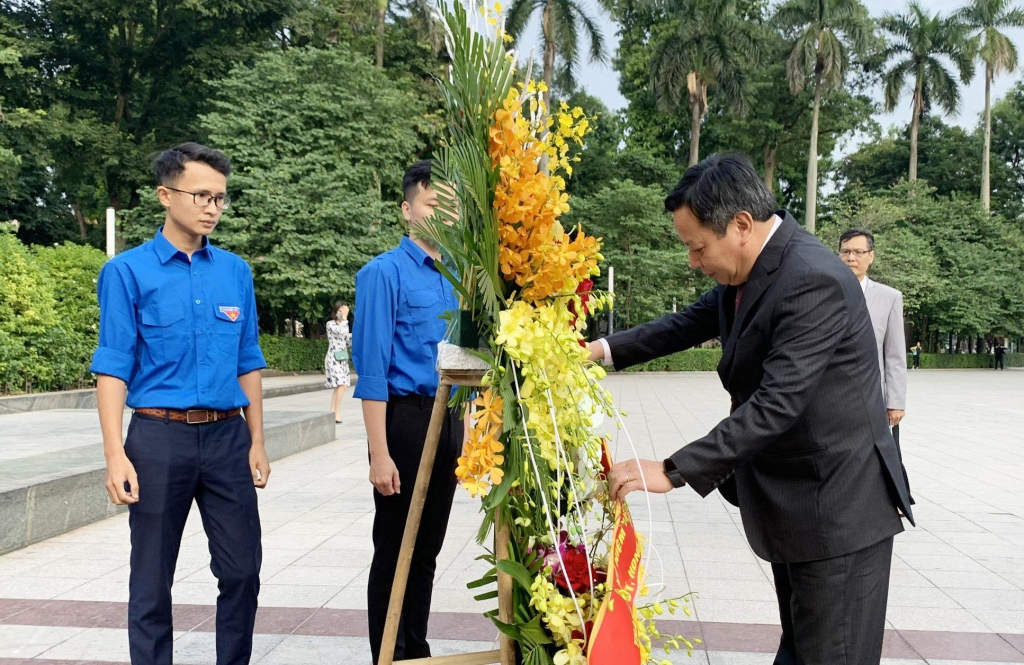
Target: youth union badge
[[230, 312]]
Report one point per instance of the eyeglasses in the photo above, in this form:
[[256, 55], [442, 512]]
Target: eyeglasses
[[203, 199], [856, 253]]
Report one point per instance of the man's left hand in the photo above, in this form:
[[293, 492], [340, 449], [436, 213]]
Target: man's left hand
[[895, 416], [259, 465], [628, 476]]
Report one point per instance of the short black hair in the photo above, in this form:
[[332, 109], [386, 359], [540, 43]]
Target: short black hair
[[418, 174], [853, 233], [718, 188], [170, 164]]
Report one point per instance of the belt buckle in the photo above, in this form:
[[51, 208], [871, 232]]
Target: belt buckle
[[205, 413]]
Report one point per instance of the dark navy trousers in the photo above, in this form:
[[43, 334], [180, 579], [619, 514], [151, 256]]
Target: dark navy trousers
[[176, 464]]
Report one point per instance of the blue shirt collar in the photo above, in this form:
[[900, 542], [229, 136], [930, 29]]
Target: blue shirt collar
[[416, 252], [165, 251]]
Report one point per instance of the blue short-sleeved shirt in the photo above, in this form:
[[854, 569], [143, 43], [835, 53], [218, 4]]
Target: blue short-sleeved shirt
[[179, 333], [400, 297]]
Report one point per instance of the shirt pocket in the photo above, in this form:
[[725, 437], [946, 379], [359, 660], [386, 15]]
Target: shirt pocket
[[160, 327], [424, 311], [229, 321]]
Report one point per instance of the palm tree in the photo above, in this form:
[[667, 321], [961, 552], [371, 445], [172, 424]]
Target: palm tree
[[919, 39], [999, 55], [711, 50], [826, 32], [560, 25]]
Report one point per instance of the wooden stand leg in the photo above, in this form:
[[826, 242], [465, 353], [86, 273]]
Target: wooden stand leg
[[501, 541], [412, 523]]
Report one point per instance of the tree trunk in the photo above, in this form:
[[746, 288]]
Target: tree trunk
[[549, 54], [550, 47], [986, 156], [695, 133], [80, 218], [915, 126], [812, 160], [771, 152], [382, 13]]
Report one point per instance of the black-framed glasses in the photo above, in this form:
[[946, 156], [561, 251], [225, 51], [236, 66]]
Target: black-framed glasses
[[856, 253], [202, 199]]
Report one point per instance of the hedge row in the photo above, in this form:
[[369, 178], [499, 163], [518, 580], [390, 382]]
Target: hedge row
[[964, 360], [706, 360], [294, 354], [693, 360]]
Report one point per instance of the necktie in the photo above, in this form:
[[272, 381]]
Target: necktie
[[739, 294]]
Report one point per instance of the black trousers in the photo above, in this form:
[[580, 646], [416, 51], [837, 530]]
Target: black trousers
[[833, 611], [999, 363], [177, 463], [407, 421]]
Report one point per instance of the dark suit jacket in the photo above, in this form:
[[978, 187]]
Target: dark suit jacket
[[806, 453]]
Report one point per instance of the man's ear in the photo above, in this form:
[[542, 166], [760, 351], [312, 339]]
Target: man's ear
[[164, 195], [407, 212], [744, 224]]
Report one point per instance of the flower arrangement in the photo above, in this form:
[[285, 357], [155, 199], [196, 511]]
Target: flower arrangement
[[536, 455]]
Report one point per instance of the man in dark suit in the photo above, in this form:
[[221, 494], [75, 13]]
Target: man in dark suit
[[806, 453]]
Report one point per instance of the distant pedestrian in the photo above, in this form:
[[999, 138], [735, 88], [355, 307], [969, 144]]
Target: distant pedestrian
[[916, 350], [1000, 352], [336, 363]]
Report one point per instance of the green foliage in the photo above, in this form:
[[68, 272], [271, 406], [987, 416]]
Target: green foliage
[[306, 131], [957, 266], [651, 265], [1008, 155], [691, 360], [947, 159], [47, 315], [293, 354], [964, 360]]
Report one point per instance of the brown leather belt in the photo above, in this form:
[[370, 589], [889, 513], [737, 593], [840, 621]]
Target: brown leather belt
[[191, 416]]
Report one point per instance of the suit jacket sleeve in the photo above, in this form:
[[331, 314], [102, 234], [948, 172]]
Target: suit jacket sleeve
[[671, 333], [809, 319], [894, 353]]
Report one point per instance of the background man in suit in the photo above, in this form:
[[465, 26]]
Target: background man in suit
[[805, 453], [885, 305]]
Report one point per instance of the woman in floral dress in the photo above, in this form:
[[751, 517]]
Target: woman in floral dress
[[340, 339]]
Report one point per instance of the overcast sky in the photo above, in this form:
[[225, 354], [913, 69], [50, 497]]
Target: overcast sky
[[603, 82]]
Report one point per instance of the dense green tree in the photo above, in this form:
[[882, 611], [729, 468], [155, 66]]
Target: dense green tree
[[918, 41], [958, 266], [1008, 155], [998, 52], [317, 177], [946, 160], [121, 79], [827, 35], [712, 49], [651, 266]]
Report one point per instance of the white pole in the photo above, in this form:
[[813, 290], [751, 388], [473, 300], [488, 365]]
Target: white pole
[[611, 290], [675, 305], [111, 218]]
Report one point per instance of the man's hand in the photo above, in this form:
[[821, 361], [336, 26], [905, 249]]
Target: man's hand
[[627, 476], [895, 416], [384, 475], [596, 351], [259, 465], [120, 471]]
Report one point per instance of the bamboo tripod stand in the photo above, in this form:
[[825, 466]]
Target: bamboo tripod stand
[[506, 654]]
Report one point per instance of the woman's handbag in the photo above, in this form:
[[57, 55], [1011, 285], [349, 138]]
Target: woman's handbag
[[341, 355]]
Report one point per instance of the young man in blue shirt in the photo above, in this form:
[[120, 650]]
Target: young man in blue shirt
[[178, 343], [400, 297]]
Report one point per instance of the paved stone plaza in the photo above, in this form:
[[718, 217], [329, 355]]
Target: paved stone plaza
[[957, 592]]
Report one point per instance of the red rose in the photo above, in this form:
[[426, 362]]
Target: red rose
[[577, 570]]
